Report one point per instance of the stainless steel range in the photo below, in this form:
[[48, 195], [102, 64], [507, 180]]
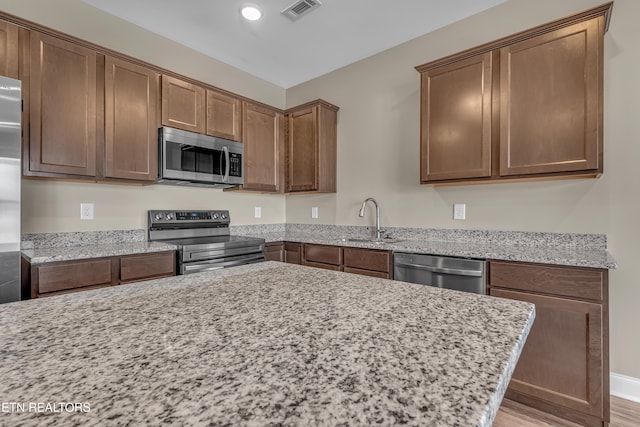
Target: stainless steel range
[[203, 240]]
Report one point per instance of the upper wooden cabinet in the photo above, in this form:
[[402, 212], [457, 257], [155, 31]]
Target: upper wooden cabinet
[[456, 120], [191, 107], [550, 106], [526, 106], [8, 50], [263, 139], [62, 106], [131, 121], [312, 147], [224, 116], [93, 114], [183, 105]]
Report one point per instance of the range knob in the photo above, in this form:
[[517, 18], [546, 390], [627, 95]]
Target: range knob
[[223, 216], [169, 216], [215, 216], [158, 217]]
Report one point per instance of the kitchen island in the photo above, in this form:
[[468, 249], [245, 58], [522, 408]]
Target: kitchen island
[[260, 344]]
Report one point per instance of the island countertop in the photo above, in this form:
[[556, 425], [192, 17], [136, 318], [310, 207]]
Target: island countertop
[[267, 343]]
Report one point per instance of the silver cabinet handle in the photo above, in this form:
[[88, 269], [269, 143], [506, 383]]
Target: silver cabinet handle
[[228, 165], [206, 266], [452, 271]]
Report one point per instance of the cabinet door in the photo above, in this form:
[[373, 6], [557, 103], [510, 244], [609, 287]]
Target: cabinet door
[[562, 360], [324, 254], [263, 136], [302, 150], [8, 50], [131, 125], [62, 107], [550, 108], [224, 116], [274, 252], [71, 275], [147, 266], [183, 105], [455, 121], [367, 259], [292, 253]]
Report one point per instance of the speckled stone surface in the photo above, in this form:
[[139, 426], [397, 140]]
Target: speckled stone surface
[[81, 238], [44, 255], [580, 250], [484, 237], [263, 344]]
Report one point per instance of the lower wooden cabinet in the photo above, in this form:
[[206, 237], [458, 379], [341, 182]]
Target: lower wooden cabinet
[[289, 252], [293, 253], [564, 366], [274, 251], [368, 262], [134, 268], [69, 276], [322, 256]]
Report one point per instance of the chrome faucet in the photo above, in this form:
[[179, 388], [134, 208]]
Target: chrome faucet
[[361, 214]]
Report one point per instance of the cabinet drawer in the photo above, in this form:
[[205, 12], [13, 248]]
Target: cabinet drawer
[[323, 254], [139, 267], [370, 273], [76, 274], [562, 281], [367, 259]]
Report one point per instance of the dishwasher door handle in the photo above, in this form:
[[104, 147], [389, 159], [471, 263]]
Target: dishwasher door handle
[[442, 270]]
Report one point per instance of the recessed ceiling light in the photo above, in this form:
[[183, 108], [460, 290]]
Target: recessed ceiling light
[[251, 12]]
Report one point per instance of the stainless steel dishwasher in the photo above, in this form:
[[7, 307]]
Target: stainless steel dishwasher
[[461, 274]]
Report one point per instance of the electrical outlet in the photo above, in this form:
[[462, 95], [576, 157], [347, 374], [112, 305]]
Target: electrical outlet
[[314, 212], [459, 210], [258, 212], [86, 210]]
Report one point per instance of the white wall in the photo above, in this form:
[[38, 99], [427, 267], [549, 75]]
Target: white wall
[[49, 206], [378, 153]]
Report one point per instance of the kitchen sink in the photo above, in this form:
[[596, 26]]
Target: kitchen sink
[[376, 241]]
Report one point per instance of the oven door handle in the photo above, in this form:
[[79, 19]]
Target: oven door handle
[[227, 168], [207, 266], [441, 270]]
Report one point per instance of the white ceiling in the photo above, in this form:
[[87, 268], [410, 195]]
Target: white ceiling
[[288, 53]]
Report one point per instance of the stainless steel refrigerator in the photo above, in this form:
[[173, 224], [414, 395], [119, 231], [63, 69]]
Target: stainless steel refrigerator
[[10, 174]]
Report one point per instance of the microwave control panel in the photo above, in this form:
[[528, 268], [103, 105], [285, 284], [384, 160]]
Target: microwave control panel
[[235, 167]]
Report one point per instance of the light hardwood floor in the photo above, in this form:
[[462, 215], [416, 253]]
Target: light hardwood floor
[[624, 413]]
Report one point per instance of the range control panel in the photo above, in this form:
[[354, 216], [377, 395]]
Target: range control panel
[[188, 217]]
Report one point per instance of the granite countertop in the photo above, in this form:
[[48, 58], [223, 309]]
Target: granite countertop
[[580, 250], [44, 255], [262, 344], [559, 255]]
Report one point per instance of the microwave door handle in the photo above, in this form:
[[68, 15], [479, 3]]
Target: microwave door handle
[[228, 165]]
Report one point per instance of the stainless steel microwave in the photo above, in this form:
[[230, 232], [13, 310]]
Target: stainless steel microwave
[[192, 159]]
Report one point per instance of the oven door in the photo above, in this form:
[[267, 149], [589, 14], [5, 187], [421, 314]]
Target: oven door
[[216, 264], [189, 156]]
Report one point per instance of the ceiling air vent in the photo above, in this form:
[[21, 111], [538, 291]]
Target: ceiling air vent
[[301, 8]]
